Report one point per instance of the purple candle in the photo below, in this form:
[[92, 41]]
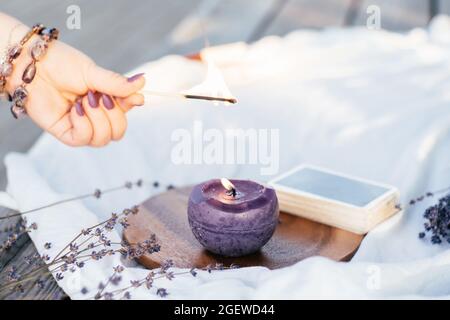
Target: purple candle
[[232, 218]]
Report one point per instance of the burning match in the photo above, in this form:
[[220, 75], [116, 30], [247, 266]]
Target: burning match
[[213, 84], [188, 96]]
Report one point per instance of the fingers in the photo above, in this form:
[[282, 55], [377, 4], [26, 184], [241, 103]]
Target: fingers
[[74, 128], [102, 133], [126, 104], [113, 84], [95, 120], [115, 115]]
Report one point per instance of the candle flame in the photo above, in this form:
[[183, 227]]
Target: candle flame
[[214, 84], [227, 184]]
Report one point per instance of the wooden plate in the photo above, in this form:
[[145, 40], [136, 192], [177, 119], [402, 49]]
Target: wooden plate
[[295, 238]]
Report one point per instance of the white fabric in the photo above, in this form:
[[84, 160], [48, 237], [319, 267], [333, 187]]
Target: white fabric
[[373, 104]]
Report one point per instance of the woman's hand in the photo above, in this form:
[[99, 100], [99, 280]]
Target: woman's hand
[[75, 100]]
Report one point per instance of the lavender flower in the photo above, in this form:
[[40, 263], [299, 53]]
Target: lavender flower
[[438, 221], [127, 295], [15, 233], [45, 257], [128, 185], [162, 292], [170, 275], [97, 193], [111, 222], [118, 269], [33, 259], [73, 247], [108, 296], [166, 265], [149, 283], [124, 223], [12, 274], [40, 284], [115, 280]]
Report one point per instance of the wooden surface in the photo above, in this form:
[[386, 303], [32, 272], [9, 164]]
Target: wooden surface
[[15, 257], [398, 15], [295, 238], [121, 35]]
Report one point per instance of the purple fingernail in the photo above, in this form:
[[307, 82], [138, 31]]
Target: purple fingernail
[[92, 99], [135, 77], [79, 109], [107, 102]]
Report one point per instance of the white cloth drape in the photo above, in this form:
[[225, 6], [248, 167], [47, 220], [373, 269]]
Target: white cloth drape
[[369, 103]]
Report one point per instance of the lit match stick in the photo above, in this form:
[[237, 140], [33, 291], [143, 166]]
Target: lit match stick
[[188, 96]]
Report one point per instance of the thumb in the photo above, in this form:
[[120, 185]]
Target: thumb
[[114, 84]]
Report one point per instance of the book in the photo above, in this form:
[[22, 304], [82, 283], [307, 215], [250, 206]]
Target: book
[[335, 199]]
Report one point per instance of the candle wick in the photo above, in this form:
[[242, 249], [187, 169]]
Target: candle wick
[[232, 192]]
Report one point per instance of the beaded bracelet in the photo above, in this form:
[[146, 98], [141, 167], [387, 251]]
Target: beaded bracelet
[[38, 51], [5, 64], [13, 52]]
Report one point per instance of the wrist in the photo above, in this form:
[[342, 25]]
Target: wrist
[[20, 63], [11, 33], [37, 51]]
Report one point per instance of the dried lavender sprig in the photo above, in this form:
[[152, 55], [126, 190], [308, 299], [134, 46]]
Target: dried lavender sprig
[[60, 262], [46, 268], [96, 194], [20, 229], [62, 259], [438, 216], [152, 276], [422, 197], [99, 231]]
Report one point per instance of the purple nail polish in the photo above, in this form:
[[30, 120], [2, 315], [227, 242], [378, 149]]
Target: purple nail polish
[[92, 99], [79, 109], [135, 77], [107, 102]]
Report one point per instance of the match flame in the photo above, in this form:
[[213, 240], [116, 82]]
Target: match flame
[[214, 84], [227, 184]]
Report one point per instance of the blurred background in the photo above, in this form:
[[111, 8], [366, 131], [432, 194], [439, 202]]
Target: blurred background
[[122, 34]]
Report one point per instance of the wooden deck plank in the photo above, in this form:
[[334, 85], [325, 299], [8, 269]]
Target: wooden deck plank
[[15, 256], [399, 15], [298, 14], [433, 8], [126, 35], [31, 291], [444, 7], [217, 22]]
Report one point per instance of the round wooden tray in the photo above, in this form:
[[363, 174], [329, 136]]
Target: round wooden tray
[[295, 238]]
